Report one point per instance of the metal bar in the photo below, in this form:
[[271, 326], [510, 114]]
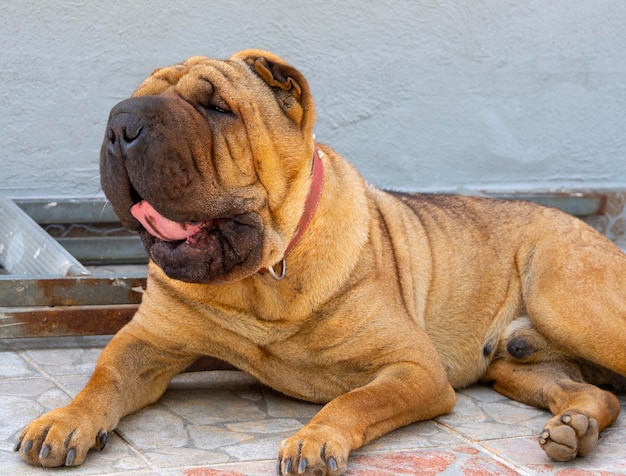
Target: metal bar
[[64, 321], [68, 210], [114, 249], [79, 291], [26, 249], [574, 203]]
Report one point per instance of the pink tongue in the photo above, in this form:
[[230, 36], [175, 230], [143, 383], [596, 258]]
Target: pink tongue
[[161, 227]]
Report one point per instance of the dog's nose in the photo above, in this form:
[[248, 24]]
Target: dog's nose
[[123, 130]]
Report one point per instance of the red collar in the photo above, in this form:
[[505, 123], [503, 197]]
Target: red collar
[[310, 206]]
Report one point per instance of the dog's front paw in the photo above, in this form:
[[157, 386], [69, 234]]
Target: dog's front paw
[[315, 450], [60, 437], [568, 435]]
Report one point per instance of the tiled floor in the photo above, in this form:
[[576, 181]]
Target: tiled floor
[[225, 423]]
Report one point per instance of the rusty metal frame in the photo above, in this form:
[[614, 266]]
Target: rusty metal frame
[[84, 305], [63, 306], [58, 296]]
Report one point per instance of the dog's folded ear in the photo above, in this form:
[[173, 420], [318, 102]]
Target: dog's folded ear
[[278, 76], [289, 85]]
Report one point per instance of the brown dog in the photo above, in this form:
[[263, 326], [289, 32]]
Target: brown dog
[[388, 302]]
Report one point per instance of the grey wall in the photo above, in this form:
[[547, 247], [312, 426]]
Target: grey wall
[[420, 94]]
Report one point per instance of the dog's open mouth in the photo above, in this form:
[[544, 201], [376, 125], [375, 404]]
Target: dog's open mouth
[[199, 252], [164, 228]]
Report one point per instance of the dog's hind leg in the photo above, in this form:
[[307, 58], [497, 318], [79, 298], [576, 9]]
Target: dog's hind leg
[[574, 290], [580, 410]]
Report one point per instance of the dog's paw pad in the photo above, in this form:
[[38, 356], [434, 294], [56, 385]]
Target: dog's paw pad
[[569, 435]]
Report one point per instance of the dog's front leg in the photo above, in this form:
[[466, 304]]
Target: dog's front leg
[[400, 394], [130, 374]]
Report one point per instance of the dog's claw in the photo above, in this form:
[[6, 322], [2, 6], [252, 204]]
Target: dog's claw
[[302, 466], [18, 444], [332, 464], [101, 439], [28, 446], [287, 466], [45, 451], [71, 456]]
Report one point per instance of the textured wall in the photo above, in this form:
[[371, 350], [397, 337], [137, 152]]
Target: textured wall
[[419, 94]]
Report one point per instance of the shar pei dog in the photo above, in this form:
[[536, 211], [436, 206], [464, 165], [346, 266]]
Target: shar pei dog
[[270, 252]]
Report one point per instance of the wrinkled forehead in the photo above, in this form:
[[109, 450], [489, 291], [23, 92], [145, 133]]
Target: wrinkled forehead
[[198, 75]]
